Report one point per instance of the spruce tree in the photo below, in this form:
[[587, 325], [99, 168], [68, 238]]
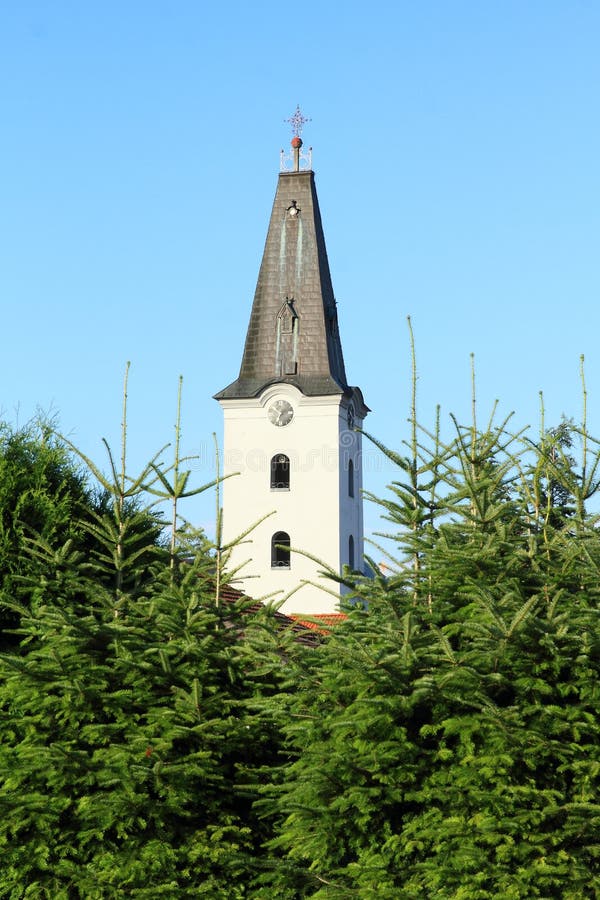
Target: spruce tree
[[445, 740], [132, 737], [43, 492]]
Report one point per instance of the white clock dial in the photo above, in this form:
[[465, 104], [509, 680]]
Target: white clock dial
[[281, 412]]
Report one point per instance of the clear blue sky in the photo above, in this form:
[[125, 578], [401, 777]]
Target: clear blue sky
[[457, 156]]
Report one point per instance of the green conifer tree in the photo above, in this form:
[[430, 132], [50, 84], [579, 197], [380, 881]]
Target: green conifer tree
[[44, 493], [445, 741], [131, 736]]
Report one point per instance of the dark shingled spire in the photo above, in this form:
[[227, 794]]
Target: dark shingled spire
[[293, 333]]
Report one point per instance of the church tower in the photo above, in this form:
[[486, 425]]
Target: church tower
[[290, 416]]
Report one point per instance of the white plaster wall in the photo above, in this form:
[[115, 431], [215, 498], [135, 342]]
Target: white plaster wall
[[316, 512]]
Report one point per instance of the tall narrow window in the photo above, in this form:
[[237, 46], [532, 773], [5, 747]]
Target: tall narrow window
[[286, 346], [280, 472], [351, 552], [350, 478], [280, 550]]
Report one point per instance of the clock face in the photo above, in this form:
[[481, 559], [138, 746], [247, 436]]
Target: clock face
[[281, 412]]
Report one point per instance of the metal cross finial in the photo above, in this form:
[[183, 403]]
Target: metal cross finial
[[297, 121]]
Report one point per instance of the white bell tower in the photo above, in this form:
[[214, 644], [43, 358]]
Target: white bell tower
[[290, 418]]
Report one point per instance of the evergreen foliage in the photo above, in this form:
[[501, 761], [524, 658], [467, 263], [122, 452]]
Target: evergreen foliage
[[161, 737], [43, 493], [128, 740], [445, 741]]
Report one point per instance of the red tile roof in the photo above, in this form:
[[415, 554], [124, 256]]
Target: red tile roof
[[322, 622], [306, 631]]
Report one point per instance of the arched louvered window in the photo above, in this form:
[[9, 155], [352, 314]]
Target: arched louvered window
[[280, 472], [350, 478], [351, 552], [280, 550]]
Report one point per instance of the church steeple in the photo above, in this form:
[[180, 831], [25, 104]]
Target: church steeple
[[293, 335], [292, 424]]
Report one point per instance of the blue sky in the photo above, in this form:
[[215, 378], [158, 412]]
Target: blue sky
[[456, 147]]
